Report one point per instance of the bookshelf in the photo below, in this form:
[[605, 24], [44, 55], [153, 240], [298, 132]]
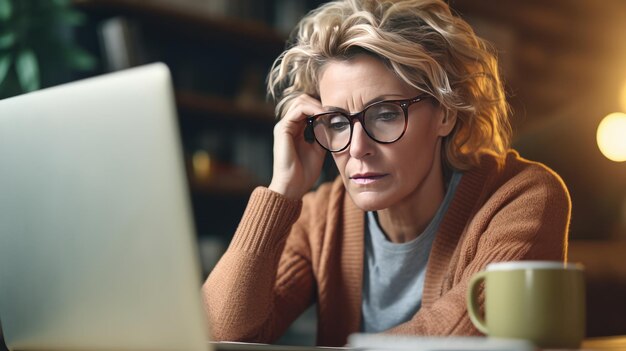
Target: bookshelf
[[220, 108], [218, 66], [194, 22]]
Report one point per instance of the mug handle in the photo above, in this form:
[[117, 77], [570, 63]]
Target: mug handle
[[472, 302]]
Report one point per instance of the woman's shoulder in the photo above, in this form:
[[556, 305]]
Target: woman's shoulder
[[532, 171], [512, 171], [512, 165]]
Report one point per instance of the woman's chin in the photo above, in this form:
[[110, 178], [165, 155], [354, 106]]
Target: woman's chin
[[370, 201]]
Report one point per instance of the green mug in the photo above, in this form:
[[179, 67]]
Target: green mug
[[540, 301]]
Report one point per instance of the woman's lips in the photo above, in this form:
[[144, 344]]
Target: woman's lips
[[367, 178]]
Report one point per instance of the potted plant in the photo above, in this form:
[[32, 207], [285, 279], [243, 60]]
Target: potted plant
[[37, 47]]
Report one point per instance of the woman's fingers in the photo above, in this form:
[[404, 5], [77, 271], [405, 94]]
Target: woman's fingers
[[297, 163], [294, 120]]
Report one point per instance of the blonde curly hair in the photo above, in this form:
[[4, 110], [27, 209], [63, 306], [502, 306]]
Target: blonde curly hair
[[425, 45]]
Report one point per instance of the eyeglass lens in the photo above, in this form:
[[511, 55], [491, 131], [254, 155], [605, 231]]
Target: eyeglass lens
[[383, 122]]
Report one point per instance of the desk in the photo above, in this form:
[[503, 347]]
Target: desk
[[609, 343]]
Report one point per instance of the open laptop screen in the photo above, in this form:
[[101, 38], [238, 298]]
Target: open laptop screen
[[97, 248]]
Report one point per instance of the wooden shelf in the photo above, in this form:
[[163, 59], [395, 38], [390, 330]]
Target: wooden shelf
[[234, 182], [223, 189], [247, 35], [224, 109]]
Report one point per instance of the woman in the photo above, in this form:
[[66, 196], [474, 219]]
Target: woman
[[410, 104]]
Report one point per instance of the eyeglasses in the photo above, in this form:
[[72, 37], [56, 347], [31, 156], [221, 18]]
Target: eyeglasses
[[384, 122]]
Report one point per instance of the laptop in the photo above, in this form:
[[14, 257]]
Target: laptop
[[97, 244]]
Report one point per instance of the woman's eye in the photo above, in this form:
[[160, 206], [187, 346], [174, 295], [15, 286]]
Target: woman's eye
[[339, 124], [387, 116]]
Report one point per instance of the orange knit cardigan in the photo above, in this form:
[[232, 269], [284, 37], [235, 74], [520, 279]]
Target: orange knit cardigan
[[287, 255]]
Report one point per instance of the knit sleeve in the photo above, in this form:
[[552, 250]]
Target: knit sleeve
[[526, 218], [264, 280]]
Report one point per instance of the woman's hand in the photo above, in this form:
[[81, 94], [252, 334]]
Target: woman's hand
[[297, 163]]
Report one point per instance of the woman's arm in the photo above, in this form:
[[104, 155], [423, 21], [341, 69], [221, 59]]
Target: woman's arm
[[264, 281]]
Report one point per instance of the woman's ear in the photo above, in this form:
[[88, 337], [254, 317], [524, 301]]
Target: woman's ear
[[447, 122]]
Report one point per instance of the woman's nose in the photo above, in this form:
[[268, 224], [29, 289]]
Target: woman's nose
[[361, 144]]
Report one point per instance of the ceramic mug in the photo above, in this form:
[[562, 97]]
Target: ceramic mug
[[540, 301]]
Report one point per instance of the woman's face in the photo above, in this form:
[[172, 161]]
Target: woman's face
[[379, 176]]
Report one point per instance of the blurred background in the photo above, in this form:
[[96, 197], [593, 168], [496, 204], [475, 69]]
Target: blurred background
[[563, 62]]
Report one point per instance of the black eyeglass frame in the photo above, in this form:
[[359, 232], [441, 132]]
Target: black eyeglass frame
[[360, 116]]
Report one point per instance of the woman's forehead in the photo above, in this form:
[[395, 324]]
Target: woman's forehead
[[357, 82]]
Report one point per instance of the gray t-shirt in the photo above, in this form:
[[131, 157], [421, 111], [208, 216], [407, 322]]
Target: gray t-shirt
[[393, 276]]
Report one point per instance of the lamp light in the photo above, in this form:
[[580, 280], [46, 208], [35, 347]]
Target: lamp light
[[611, 136]]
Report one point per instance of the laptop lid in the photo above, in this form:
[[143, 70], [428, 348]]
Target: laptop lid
[[97, 247]]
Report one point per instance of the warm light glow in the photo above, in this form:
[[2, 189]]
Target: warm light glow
[[201, 165], [611, 136], [622, 97]]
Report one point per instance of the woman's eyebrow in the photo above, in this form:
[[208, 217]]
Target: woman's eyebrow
[[371, 101], [335, 109]]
